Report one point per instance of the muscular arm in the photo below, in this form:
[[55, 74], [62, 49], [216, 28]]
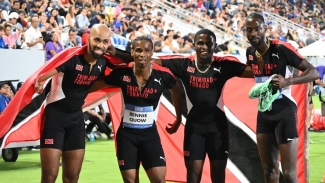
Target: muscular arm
[[98, 85], [124, 55], [309, 74], [47, 75], [177, 100]]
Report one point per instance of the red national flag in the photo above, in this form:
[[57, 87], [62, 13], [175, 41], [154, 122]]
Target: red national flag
[[190, 69], [21, 121], [49, 141], [121, 162], [127, 78]]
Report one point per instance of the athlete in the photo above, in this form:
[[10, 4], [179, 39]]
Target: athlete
[[63, 128], [137, 138], [276, 127], [206, 130]]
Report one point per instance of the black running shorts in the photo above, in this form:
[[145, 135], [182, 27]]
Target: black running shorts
[[63, 131], [135, 147], [283, 125], [201, 139]]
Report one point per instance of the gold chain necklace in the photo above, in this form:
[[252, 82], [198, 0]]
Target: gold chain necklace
[[260, 55], [197, 68]]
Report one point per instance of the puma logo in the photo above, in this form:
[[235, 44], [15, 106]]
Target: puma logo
[[218, 70], [162, 158], [275, 55], [100, 68], [158, 81]]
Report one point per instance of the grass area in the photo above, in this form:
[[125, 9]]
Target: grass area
[[100, 164], [316, 102]]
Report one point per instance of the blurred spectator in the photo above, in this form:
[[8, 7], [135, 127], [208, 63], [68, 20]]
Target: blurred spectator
[[11, 38], [53, 46], [158, 44], [33, 35], [82, 21], [71, 17], [5, 96], [73, 39], [3, 45]]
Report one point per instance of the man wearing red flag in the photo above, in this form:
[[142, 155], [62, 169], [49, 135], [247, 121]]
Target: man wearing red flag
[[63, 129]]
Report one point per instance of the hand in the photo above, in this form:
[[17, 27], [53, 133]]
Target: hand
[[111, 50], [38, 87], [279, 81], [74, 41], [172, 128]]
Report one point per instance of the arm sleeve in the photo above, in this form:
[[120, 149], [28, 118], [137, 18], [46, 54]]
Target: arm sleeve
[[114, 78], [169, 80], [49, 46], [28, 37], [175, 65], [66, 66], [291, 56], [233, 67]]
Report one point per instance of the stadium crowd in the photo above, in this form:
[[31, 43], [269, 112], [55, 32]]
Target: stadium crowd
[[58, 24]]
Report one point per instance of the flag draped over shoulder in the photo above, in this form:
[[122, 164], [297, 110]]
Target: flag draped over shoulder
[[20, 122], [26, 106]]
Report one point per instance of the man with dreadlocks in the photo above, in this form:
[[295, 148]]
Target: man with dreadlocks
[[137, 138], [276, 127]]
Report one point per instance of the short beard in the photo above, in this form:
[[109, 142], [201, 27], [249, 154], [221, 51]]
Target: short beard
[[93, 54]]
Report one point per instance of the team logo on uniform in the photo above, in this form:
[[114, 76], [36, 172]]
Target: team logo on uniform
[[250, 57], [275, 55], [49, 141], [127, 78], [158, 81], [100, 68], [186, 153], [120, 162], [79, 67], [190, 69]]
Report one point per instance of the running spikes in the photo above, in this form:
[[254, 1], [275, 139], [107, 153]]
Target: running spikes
[[264, 91]]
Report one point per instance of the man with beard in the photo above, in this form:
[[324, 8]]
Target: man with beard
[[276, 127], [137, 138], [63, 128]]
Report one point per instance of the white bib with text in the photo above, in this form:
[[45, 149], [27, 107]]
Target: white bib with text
[[139, 117]]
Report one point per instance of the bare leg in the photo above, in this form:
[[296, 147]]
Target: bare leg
[[71, 164], [309, 113], [130, 176], [157, 174], [218, 171], [288, 154], [269, 153], [50, 162], [194, 170]]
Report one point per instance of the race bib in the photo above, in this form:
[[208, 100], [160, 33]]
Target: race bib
[[263, 79], [139, 117]]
